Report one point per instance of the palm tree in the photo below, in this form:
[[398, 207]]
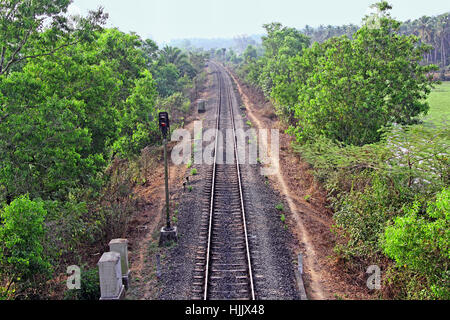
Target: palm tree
[[178, 58], [173, 55], [443, 26], [308, 30], [425, 33]]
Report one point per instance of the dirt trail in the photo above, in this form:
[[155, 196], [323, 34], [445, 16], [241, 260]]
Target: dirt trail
[[311, 220], [143, 239]]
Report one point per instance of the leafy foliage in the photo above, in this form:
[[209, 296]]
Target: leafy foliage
[[279, 45], [75, 100], [421, 241], [134, 121], [369, 187], [344, 88], [22, 233], [22, 21], [352, 88], [90, 287], [167, 78]]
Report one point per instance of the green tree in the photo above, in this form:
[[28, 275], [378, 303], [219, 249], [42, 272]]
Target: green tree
[[279, 45], [21, 22], [150, 49], [123, 53], [355, 87], [166, 78], [173, 55], [283, 40], [44, 151], [135, 129], [78, 106], [250, 54]]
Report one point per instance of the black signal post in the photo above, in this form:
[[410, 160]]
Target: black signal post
[[169, 233]]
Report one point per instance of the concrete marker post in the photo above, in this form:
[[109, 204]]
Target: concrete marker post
[[110, 272], [299, 277], [121, 246]]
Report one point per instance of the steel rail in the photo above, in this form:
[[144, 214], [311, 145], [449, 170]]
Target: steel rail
[[211, 212], [249, 261]]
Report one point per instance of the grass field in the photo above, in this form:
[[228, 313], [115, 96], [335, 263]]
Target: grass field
[[439, 101]]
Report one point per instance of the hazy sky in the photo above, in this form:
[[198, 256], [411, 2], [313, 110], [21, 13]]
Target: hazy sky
[[164, 20]]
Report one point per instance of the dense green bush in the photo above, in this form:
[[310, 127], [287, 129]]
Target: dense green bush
[[90, 287], [369, 188], [420, 240], [22, 240], [177, 105]]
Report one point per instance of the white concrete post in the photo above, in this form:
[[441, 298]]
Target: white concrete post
[[110, 272], [121, 246]]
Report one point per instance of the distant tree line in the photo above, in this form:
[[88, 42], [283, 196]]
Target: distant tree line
[[434, 31], [238, 43]]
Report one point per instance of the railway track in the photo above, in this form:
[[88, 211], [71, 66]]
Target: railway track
[[223, 267]]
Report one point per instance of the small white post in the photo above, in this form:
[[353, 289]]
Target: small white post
[[300, 263], [299, 277], [121, 247], [110, 273]]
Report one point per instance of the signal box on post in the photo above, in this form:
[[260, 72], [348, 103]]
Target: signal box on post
[[164, 123]]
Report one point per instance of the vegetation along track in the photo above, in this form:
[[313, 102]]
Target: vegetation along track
[[223, 264]]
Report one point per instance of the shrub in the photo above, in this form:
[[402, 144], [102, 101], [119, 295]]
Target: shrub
[[370, 186], [362, 216], [420, 240], [90, 287], [22, 234]]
